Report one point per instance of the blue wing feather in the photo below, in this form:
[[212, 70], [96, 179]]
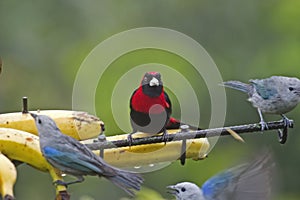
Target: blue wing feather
[[213, 186], [265, 88], [69, 160]]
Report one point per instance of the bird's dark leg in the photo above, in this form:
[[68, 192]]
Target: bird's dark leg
[[129, 137], [164, 135], [60, 182], [287, 122], [262, 122]]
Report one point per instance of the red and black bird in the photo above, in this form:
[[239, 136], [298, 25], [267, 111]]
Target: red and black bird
[[151, 108]]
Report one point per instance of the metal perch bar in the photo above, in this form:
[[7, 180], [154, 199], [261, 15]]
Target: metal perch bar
[[241, 129]]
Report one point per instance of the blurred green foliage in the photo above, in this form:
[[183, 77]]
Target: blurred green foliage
[[43, 43]]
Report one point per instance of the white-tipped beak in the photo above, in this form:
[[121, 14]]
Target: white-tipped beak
[[154, 82], [171, 189]]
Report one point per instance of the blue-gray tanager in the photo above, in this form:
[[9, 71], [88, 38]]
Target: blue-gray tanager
[[250, 181], [274, 95], [71, 157]]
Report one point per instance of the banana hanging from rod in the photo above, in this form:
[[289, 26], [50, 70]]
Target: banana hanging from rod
[[8, 177], [77, 124], [22, 146]]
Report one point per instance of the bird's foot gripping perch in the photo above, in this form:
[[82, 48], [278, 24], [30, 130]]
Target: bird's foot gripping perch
[[60, 182], [287, 122], [283, 134], [165, 136], [263, 125], [129, 138]]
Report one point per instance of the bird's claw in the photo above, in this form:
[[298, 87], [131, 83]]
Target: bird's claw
[[165, 137], [263, 125], [62, 195], [60, 182], [287, 122], [129, 138]]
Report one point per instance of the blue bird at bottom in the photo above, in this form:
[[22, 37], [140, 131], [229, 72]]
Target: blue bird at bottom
[[250, 181], [71, 157]]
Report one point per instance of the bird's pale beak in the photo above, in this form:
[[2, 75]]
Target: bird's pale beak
[[154, 82], [171, 189]]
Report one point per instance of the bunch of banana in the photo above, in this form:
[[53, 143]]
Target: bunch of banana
[[22, 146], [19, 141], [8, 176], [79, 125]]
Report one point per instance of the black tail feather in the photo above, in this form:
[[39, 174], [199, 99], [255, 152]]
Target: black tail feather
[[175, 124]]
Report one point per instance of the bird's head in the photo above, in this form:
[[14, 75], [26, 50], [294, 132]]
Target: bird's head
[[43, 123], [292, 86], [186, 191], [152, 84]]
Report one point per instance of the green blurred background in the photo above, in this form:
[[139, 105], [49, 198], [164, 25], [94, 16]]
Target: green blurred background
[[43, 43]]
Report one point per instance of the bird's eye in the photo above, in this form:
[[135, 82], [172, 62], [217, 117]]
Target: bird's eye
[[291, 88], [39, 121], [183, 189]]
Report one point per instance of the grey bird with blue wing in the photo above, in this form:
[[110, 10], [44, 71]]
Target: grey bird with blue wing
[[71, 157], [250, 181], [274, 95]]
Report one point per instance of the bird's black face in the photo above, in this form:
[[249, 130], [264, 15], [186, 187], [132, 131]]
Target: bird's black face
[[152, 84]]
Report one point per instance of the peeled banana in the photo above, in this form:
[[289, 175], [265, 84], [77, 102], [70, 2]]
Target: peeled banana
[[8, 176], [143, 155], [25, 147], [79, 125]]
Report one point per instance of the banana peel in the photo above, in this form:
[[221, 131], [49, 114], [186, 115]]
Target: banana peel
[[77, 124], [8, 177], [143, 155], [23, 146]]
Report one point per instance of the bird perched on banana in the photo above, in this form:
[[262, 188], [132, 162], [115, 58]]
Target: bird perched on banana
[[74, 158]]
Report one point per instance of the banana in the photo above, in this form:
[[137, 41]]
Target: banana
[[8, 176], [25, 147], [79, 125], [147, 155]]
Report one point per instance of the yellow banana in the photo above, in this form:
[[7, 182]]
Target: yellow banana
[[79, 125], [25, 147], [8, 176], [146, 155]]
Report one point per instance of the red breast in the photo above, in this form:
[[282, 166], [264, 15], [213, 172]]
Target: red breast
[[146, 104]]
